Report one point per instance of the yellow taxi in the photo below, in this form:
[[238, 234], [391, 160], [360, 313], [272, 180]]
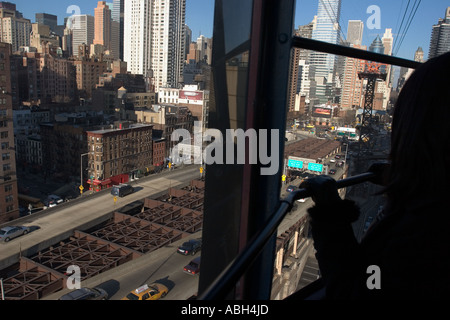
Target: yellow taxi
[[154, 291]]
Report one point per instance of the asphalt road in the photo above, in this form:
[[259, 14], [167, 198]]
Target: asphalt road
[[168, 271], [55, 224]]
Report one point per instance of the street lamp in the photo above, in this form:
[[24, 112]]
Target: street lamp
[[81, 168]]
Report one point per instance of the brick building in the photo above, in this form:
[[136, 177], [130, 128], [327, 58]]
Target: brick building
[[42, 77], [88, 71], [9, 205], [119, 153]]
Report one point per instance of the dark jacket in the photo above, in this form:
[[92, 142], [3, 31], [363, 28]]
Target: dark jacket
[[411, 248]]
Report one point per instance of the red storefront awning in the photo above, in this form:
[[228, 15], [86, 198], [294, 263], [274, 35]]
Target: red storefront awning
[[105, 182]]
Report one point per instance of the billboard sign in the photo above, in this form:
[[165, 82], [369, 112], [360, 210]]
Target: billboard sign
[[190, 96], [321, 112]]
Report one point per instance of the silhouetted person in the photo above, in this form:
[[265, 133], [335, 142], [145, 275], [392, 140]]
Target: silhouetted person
[[405, 254]]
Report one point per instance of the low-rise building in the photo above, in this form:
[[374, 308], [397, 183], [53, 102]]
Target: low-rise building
[[119, 153]]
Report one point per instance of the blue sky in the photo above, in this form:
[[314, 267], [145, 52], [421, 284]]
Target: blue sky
[[199, 17]]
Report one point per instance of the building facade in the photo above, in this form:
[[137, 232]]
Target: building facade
[[83, 30], [355, 32], [440, 36], [9, 203], [117, 16], [352, 86], [41, 33], [119, 154], [154, 40], [47, 19], [14, 29], [88, 71], [102, 26], [327, 30]]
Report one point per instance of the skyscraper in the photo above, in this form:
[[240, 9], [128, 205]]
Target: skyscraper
[[102, 27], [327, 30], [418, 55], [355, 32], [377, 45], [154, 40], [118, 17], [83, 28], [440, 36]]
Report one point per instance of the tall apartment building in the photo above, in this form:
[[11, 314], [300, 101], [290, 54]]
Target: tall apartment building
[[306, 31], [154, 40], [88, 71], [384, 87], [295, 76], [137, 35], [440, 36], [102, 27], [306, 77], [352, 86], [83, 29], [14, 29], [9, 203], [118, 154]]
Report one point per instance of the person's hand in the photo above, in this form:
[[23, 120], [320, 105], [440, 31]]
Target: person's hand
[[381, 171], [323, 190], [330, 209]]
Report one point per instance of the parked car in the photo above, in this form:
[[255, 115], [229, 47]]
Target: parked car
[[122, 190], [154, 291], [193, 267], [86, 294], [190, 247], [52, 200], [9, 233]]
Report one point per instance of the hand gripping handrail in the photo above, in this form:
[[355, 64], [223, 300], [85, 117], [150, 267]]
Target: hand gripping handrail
[[223, 284]]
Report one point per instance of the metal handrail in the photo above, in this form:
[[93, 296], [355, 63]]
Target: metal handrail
[[320, 46], [231, 274]]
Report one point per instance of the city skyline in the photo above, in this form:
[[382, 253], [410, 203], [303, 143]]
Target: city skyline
[[199, 18]]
